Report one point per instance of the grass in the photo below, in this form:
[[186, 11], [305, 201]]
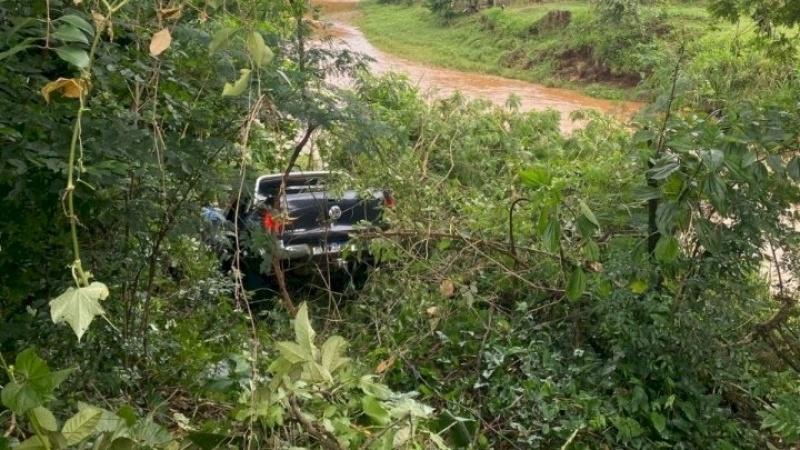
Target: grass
[[498, 41]]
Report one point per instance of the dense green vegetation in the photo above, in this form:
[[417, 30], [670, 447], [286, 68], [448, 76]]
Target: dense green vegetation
[[606, 289]]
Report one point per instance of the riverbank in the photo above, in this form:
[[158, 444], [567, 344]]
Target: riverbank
[[560, 44], [436, 81]]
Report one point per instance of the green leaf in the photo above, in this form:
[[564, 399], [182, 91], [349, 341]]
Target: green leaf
[[34, 383], [588, 214], [59, 376], [662, 169], [315, 373], [375, 410], [716, 189], [44, 418], [303, 332], [127, 413], [220, 39], [239, 86], [81, 425], [536, 177], [331, 353], [645, 193], [149, 434], [68, 33], [713, 158], [20, 398], [258, 50], [73, 55], [551, 237], [33, 443], [591, 251], [77, 22], [79, 306], [576, 284], [370, 387], [709, 236], [408, 407], [659, 422], [666, 216], [108, 423], [293, 352], [667, 249], [628, 428], [35, 371]]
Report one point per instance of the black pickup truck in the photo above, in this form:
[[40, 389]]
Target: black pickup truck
[[310, 224]]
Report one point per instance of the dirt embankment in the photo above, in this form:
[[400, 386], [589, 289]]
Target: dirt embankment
[[437, 81]]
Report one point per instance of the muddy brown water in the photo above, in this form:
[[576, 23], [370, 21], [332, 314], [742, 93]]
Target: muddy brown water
[[337, 23]]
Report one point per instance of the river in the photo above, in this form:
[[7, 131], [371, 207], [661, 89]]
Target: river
[[437, 81]]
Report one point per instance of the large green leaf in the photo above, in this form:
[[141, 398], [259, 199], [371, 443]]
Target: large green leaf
[[20, 398], [79, 306], [293, 352], [375, 410], [59, 376], [34, 371], [78, 22], [666, 216], [659, 422], [576, 284], [81, 425], [239, 86], [68, 33], [551, 237], [259, 52], [33, 443], [315, 373], [370, 387], [34, 383], [662, 169], [108, 423], [591, 251], [303, 332], [44, 418], [406, 406], [76, 56], [716, 189], [588, 214], [713, 158], [149, 434], [331, 353]]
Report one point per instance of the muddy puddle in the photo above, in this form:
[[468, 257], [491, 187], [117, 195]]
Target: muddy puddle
[[337, 22]]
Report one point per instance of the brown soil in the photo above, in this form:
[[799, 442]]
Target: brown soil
[[438, 82], [580, 65]]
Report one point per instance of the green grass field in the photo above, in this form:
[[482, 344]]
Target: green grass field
[[498, 41]]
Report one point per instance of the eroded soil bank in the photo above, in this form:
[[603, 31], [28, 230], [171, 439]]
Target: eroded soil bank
[[338, 15]]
